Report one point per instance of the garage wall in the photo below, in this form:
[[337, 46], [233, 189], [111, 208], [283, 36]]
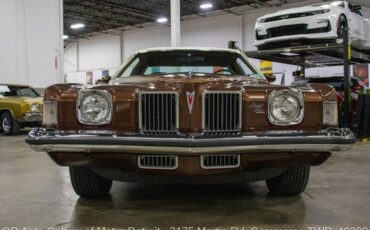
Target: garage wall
[[145, 38], [212, 32], [31, 42], [100, 52], [208, 32]]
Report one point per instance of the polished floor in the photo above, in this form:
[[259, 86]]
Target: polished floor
[[34, 192]]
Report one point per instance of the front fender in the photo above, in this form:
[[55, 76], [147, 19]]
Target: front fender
[[14, 108]]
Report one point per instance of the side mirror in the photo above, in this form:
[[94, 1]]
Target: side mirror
[[270, 77], [356, 7], [103, 81]]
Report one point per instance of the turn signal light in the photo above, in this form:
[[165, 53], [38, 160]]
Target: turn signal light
[[330, 113], [50, 111]]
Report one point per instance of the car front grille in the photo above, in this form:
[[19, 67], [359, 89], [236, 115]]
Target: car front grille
[[222, 113], [158, 113], [157, 162], [292, 30], [220, 161], [287, 30]]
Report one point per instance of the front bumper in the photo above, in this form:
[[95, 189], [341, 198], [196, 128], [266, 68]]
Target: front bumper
[[48, 140], [31, 117]]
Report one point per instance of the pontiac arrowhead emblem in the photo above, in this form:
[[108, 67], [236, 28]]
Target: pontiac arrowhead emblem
[[190, 100]]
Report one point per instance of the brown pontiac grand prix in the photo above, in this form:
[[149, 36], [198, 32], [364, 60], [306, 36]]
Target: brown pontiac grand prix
[[189, 115]]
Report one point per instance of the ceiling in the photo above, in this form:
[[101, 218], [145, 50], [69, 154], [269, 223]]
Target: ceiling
[[114, 16]]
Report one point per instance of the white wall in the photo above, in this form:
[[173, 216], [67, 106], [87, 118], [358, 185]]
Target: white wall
[[100, 52], [145, 38], [30, 42], [108, 52], [70, 58], [212, 32]]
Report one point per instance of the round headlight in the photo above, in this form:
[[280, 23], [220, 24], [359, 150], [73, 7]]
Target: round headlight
[[34, 108], [285, 108], [95, 107]]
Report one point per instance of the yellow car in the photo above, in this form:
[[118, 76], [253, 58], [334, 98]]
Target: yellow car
[[20, 107]]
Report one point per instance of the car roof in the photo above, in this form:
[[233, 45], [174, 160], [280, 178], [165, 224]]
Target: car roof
[[164, 49]]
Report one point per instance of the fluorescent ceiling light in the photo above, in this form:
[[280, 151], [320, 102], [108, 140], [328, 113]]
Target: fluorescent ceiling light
[[205, 6], [289, 54], [162, 20], [65, 36], [77, 26]]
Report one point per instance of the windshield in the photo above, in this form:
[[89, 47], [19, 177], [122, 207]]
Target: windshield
[[196, 62], [335, 3], [17, 91]]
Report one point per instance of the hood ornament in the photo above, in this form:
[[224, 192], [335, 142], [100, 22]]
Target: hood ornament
[[190, 100]]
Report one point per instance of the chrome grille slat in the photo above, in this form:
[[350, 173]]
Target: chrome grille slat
[[157, 162], [222, 112], [220, 161], [158, 113]]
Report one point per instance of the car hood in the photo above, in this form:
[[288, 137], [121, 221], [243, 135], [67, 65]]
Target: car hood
[[24, 100], [297, 10]]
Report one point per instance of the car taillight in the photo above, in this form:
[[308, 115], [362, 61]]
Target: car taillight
[[50, 111]]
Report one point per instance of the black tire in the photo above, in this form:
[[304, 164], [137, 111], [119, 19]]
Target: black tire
[[342, 24], [88, 184], [9, 126], [290, 183]]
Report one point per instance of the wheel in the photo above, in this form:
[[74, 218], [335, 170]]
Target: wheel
[[88, 184], [9, 125], [290, 183], [342, 24]]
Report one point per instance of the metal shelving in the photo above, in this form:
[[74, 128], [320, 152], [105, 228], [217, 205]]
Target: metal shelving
[[338, 53], [309, 56]]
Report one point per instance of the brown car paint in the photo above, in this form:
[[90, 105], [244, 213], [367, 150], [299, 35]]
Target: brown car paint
[[125, 102]]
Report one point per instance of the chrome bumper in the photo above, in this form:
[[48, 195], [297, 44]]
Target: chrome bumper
[[282, 141], [31, 117]]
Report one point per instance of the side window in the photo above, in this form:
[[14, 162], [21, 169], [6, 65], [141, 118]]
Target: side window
[[4, 89], [244, 67], [355, 9]]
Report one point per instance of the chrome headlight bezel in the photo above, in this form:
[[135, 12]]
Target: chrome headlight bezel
[[298, 96], [82, 95]]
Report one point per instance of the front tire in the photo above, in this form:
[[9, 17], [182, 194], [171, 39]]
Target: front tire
[[9, 126], [342, 25], [290, 183], [88, 184]]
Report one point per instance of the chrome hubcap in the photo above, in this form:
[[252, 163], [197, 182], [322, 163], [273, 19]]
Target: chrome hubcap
[[6, 124]]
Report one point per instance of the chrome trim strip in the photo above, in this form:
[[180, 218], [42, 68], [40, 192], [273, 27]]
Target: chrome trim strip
[[219, 167], [161, 167], [189, 151]]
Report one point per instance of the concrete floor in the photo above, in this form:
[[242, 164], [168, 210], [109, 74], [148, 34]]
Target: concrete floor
[[34, 192]]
